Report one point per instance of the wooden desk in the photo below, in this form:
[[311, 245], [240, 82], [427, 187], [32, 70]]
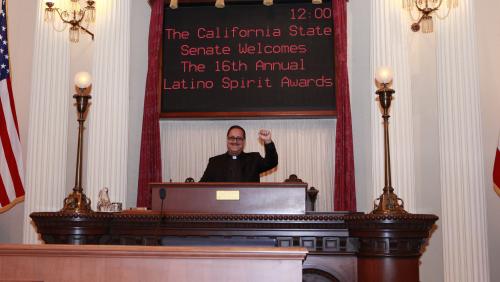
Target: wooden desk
[[342, 246], [251, 198], [143, 263]]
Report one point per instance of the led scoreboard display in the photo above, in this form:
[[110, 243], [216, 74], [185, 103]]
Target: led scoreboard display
[[248, 60]]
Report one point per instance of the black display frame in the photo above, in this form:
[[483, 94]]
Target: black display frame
[[235, 112]]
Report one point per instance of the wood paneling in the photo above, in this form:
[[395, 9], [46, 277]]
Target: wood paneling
[[253, 198], [149, 263], [343, 247]]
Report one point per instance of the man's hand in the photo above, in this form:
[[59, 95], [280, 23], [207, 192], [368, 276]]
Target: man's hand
[[265, 136]]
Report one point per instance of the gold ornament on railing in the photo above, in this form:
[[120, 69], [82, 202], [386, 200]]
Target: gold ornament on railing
[[173, 4], [219, 4], [267, 2]]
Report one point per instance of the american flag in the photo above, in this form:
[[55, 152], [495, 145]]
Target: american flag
[[11, 159], [496, 169]]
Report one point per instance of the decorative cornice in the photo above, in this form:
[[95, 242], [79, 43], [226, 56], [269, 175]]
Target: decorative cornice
[[71, 215], [401, 235], [156, 215], [383, 217], [234, 217], [125, 221], [378, 235]]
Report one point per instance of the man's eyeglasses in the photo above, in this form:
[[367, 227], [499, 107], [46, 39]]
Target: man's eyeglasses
[[235, 139]]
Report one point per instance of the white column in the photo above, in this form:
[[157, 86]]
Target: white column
[[48, 124], [390, 48], [108, 116], [462, 184]]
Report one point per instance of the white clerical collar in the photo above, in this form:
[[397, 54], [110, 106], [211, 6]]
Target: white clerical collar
[[234, 157]]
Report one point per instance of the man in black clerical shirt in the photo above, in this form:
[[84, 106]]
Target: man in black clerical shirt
[[238, 166]]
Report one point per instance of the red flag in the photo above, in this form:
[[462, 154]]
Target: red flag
[[11, 158], [496, 170]]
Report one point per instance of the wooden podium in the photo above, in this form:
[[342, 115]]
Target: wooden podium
[[146, 263], [230, 198], [341, 246]]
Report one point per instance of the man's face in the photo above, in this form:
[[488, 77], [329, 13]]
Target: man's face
[[235, 141]]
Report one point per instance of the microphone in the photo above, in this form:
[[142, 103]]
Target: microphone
[[163, 194]]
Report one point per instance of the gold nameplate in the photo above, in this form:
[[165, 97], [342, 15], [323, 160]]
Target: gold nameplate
[[228, 195]]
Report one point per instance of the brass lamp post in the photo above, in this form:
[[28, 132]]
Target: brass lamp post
[[77, 201], [388, 201]]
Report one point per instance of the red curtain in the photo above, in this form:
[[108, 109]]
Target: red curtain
[[150, 159], [345, 191]]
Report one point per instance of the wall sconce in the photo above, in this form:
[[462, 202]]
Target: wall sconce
[[425, 9], [73, 17], [267, 2]]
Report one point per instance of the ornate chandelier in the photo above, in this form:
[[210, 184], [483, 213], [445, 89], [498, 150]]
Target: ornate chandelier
[[73, 17], [422, 11]]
